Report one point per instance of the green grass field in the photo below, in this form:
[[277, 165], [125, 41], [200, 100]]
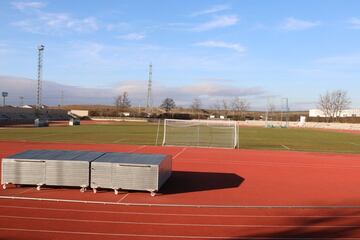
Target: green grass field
[[145, 134]]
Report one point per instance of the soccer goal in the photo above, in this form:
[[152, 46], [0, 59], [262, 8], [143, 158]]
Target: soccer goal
[[201, 133]]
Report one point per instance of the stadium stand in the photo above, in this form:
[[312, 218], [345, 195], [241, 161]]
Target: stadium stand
[[15, 115]]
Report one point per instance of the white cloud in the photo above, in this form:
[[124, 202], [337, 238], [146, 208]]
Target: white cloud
[[28, 5], [293, 24], [220, 44], [117, 26], [132, 36], [212, 9], [45, 22], [354, 23], [209, 91], [341, 61], [218, 22]]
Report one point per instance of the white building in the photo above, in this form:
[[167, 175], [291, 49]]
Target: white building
[[345, 113]]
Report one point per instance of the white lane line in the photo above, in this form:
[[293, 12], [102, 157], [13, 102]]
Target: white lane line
[[120, 234], [270, 164], [123, 197], [182, 150], [286, 147], [188, 205], [138, 148], [179, 224], [352, 143], [180, 214], [27, 190], [128, 235]]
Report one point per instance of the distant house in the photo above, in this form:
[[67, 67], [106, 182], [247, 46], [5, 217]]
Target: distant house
[[345, 113], [79, 113], [26, 106]]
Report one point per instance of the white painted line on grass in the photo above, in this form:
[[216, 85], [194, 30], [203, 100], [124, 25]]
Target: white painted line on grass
[[286, 147], [188, 205], [352, 143]]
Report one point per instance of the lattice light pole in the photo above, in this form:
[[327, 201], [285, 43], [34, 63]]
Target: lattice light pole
[[4, 95], [39, 76], [149, 93]]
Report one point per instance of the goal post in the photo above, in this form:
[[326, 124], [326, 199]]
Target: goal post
[[201, 133]]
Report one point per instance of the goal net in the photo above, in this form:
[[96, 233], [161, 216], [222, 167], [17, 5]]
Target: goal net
[[200, 133]]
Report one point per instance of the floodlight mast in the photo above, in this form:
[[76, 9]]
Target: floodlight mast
[[21, 100], [4, 95], [39, 75], [149, 94]]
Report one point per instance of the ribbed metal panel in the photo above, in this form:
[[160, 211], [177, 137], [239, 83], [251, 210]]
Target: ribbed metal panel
[[19, 171], [145, 172], [49, 167]]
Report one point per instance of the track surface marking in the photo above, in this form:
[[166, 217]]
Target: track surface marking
[[212, 194]]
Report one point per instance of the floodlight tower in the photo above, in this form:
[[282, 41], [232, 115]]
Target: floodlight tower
[[287, 109], [62, 98], [21, 100], [149, 94], [39, 75], [4, 95]]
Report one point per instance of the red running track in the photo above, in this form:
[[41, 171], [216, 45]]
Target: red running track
[[213, 194]]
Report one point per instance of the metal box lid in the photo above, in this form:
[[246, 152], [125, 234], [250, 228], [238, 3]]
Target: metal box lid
[[87, 156], [132, 158]]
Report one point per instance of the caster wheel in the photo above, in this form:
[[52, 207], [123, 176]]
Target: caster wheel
[[116, 192], [94, 190], [153, 194], [82, 190], [38, 188], [4, 186]]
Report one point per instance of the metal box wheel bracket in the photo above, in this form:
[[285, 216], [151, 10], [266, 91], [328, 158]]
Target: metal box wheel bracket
[[18, 167]]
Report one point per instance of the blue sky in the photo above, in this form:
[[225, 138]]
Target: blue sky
[[213, 50]]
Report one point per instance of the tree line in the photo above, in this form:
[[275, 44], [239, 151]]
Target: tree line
[[237, 105], [331, 104]]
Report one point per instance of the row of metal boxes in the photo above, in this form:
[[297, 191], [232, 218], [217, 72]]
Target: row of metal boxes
[[128, 171]]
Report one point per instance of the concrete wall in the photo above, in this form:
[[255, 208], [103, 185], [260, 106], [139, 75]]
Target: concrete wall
[[340, 126], [345, 113]]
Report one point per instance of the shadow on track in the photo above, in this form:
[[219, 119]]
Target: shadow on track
[[182, 182], [336, 225]]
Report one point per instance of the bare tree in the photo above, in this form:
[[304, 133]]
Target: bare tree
[[240, 106], [333, 103], [122, 102], [341, 101], [196, 105], [168, 104], [225, 107], [217, 107]]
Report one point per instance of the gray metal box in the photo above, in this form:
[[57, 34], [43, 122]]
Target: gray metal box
[[48, 167], [130, 171]]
